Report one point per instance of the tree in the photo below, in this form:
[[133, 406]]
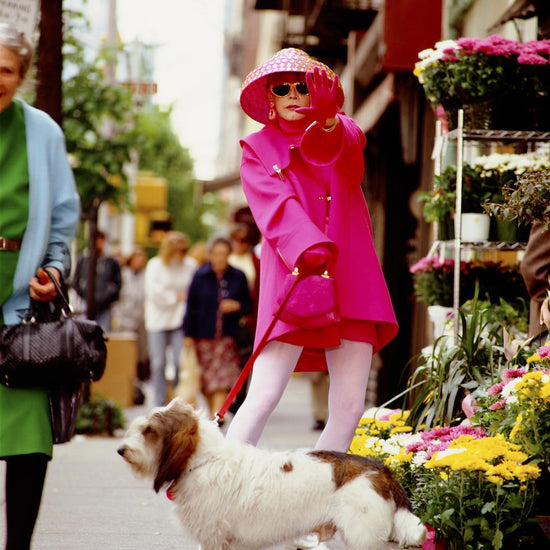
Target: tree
[[98, 121], [160, 151]]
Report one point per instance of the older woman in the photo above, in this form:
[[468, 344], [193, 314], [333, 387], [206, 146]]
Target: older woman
[[39, 210], [218, 298]]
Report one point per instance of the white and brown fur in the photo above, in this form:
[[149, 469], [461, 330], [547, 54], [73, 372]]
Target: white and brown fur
[[233, 496]]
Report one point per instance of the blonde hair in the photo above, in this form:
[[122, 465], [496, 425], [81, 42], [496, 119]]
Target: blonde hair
[[16, 42], [172, 242]]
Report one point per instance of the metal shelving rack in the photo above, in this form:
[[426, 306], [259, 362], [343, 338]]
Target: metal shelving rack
[[462, 135]]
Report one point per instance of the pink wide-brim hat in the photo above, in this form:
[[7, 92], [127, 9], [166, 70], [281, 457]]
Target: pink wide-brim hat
[[254, 99]]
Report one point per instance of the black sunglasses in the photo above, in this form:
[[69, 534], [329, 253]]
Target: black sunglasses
[[282, 90]]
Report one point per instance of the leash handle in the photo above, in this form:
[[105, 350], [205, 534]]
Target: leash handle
[[250, 363]]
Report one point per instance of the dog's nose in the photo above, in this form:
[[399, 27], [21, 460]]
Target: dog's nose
[[121, 450]]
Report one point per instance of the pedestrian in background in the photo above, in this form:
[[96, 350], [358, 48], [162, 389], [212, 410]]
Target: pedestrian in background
[[244, 257], [218, 298], [167, 279], [39, 211], [129, 310], [302, 175], [108, 282]]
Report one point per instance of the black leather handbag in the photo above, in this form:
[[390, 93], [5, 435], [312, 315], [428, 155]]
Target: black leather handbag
[[50, 348]]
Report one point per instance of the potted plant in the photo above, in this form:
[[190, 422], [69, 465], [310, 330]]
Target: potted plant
[[502, 171], [528, 200], [439, 205], [484, 76]]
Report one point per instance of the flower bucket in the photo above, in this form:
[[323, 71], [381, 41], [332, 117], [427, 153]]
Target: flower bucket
[[438, 316], [478, 115], [475, 227], [445, 229], [431, 542], [504, 231]]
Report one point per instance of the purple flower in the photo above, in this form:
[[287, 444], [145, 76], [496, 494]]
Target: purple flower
[[544, 351], [497, 405]]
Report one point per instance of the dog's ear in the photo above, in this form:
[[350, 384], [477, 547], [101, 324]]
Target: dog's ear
[[180, 441]]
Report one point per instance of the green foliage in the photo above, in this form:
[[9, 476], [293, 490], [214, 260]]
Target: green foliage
[[433, 281], [478, 187], [448, 370], [160, 151], [470, 512], [98, 416], [527, 200], [97, 117]]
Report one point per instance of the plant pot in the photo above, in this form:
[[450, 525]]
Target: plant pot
[[504, 231], [475, 227], [445, 229], [438, 316], [478, 115]]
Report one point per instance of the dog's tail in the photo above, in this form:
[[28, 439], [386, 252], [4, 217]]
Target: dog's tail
[[408, 530]]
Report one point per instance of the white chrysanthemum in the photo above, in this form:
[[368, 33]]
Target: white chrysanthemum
[[420, 458], [509, 390], [518, 163]]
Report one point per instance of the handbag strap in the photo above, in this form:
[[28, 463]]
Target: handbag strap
[[60, 293], [41, 311], [250, 363]]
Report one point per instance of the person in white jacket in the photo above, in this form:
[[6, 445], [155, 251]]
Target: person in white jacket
[[167, 279]]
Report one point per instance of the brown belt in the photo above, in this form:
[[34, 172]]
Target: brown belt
[[9, 244]]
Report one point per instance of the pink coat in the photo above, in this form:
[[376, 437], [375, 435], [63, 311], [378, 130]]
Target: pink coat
[[283, 183]]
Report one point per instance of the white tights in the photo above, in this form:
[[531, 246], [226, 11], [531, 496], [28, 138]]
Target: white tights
[[348, 367]]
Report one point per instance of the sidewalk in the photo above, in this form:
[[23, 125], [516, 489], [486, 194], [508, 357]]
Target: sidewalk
[[91, 500]]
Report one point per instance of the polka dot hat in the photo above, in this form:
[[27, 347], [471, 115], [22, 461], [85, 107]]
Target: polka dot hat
[[254, 100]]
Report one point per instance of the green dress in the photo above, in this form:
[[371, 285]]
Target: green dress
[[25, 425]]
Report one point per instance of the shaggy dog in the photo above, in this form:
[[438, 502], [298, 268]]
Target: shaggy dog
[[231, 496]]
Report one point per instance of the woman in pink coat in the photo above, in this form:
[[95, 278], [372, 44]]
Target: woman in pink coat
[[302, 176]]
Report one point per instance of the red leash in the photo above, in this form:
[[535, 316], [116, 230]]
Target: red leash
[[250, 363]]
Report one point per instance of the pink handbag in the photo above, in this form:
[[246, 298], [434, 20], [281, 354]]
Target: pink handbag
[[311, 303]]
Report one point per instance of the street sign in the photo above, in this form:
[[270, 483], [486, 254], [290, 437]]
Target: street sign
[[22, 13]]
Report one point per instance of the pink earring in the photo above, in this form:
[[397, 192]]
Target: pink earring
[[272, 113]]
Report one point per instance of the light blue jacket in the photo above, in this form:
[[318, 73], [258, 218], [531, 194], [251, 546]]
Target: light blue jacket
[[54, 209]]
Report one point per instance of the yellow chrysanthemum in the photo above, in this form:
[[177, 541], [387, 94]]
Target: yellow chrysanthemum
[[517, 426], [401, 430]]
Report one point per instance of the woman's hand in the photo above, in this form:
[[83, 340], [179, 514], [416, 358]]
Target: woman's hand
[[41, 287], [323, 94], [189, 342], [229, 306], [316, 259]]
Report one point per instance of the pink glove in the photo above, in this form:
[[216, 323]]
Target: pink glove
[[315, 259], [324, 94]]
